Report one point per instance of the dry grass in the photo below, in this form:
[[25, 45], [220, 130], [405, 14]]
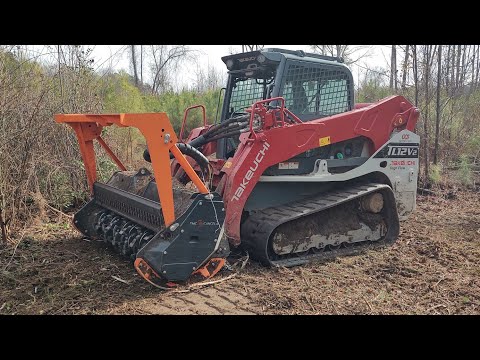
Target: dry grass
[[433, 268]]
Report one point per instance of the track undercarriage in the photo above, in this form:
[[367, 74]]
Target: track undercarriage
[[339, 222]]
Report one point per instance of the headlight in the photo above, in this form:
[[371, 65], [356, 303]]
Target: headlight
[[229, 64], [261, 58]]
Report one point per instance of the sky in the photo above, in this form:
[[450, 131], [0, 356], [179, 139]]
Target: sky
[[117, 57]]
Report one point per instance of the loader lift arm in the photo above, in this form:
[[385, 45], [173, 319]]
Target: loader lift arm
[[160, 137]]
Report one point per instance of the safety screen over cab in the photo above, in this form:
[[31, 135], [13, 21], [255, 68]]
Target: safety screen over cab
[[245, 93], [313, 91]]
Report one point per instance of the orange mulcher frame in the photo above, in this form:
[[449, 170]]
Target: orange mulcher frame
[[161, 139]]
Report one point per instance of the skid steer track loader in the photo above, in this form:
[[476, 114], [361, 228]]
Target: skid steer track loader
[[294, 171]]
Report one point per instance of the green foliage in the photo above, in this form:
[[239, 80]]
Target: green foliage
[[465, 173], [174, 104], [57, 226], [106, 168], [60, 188], [121, 96], [435, 173], [473, 145], [370, 93], [372, 88]]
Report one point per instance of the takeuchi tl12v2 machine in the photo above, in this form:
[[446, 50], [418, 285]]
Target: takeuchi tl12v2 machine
[[293, 171]]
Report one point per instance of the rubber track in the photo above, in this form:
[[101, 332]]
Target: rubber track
[[257, 229]]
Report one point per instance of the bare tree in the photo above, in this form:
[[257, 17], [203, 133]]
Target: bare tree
[[351, 54], [477, 66], [437, 118], [141, 64], [427, 49], [452, 73], [457, 75], [415, 72], [209, 78], [464, 66], [232, 50], [405, 66], [165, 59], [134, 63], [473, 60], [38, 158], [447, 69], [246, 48], [393, 69]]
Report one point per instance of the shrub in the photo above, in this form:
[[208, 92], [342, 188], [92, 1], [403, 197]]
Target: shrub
[[465, 173], [435, 175]]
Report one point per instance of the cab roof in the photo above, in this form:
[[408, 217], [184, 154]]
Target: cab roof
[[276, 54]]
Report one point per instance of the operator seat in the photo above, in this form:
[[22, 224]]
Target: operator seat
[[299, 97]]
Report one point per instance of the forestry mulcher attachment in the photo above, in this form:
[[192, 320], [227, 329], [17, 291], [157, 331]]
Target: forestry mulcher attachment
[[293, 171]]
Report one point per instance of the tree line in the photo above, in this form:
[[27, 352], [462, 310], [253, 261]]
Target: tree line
[[40, 165], [443, 82]]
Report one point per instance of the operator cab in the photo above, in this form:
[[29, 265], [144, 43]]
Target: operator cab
[[313, 85]]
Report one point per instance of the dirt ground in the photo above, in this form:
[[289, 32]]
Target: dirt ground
[[433, 268]]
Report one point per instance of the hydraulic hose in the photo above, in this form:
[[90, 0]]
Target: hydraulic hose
[[214, 129], [196, 155], [219, 131], [228, 134], [188, 150]]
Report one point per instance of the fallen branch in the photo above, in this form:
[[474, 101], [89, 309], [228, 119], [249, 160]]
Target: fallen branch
[[438, 282], [366, 301], [213, 282], [121, 280], [437, 306], [58, 211], [174, 290], [244, 263]]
